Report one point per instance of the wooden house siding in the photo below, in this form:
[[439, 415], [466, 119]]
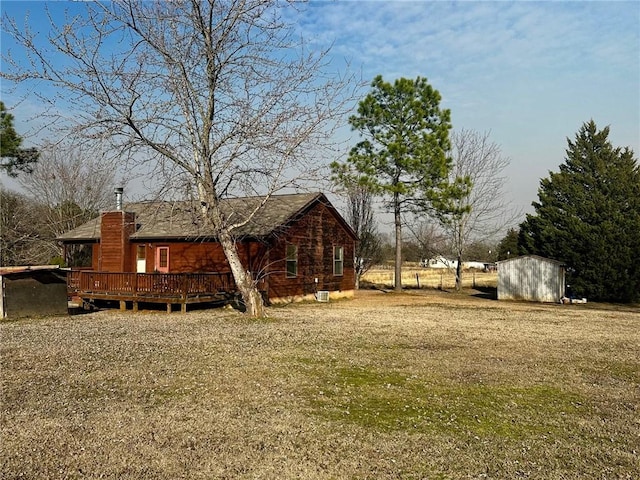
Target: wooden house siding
[[315, 235], [199, 256], [95, 255]]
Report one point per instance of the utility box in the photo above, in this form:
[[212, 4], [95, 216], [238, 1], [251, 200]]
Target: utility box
[[323, 296]]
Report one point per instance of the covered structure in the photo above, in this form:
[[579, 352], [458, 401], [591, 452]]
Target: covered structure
[[531, 278], [28, 291]]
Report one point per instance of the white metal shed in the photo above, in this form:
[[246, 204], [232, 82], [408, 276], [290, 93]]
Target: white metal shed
[[532, 278]]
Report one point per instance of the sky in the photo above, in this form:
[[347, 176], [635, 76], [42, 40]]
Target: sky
[[528, 73]]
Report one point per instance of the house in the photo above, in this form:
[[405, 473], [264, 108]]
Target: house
[[296, 246], [531, 278], [32, 291]]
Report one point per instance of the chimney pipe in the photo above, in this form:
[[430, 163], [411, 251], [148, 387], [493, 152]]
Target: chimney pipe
[[118, 191]]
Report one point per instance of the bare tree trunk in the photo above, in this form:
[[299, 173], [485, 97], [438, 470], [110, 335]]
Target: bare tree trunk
[[245, 282], [459, 273], [460, 244], [398, 223]]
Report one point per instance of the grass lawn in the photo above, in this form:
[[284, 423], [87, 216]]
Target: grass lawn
[[418, 385]]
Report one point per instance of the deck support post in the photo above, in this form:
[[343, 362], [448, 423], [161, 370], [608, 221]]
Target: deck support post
[[168, 308], [123, 305], [183, 307], [135, 306]]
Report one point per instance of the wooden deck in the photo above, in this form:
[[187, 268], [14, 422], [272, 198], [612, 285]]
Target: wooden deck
[[167, 288]]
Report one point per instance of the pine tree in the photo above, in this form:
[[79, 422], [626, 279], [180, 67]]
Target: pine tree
[[403, 154], [508, 246], [13, 158], [588, 216]]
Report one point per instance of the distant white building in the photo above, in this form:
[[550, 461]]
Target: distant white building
[[439, 262], [531, 278], [475, 265], [445, 263]]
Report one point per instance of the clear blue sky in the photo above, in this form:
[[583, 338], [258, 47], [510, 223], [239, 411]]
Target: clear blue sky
[[529, 72]]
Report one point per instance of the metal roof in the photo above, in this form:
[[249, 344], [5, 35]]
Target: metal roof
[[27, 268], [536, 257]]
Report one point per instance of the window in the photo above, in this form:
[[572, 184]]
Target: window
[[338, 261], [162, 259], [292, 261]]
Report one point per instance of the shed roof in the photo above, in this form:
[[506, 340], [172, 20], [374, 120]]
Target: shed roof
[[535, 257], [180, 219], [27, 268]]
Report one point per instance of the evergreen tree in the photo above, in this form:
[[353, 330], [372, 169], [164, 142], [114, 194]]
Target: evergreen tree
[[13, 158], [508, 246], [588, 216], [403, 155]]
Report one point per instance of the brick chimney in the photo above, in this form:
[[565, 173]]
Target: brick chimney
[[115, 229]]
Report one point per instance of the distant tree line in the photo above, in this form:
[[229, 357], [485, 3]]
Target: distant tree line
[[65, 184]]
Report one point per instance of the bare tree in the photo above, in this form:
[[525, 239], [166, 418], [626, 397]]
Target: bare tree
[[359, 214], [21, 231], [222, 95], [483, 211], [71, 184], [430, 239]]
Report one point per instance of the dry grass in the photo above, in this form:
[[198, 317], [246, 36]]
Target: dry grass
[[419, 385], [416, 277]]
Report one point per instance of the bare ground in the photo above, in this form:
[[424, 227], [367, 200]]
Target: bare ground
[[423, 384]]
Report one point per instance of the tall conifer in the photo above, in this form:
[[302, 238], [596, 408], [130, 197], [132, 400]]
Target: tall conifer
[[588, 216]]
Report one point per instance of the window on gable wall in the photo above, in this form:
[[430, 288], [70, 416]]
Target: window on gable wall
[[338, 261], [292, 260]]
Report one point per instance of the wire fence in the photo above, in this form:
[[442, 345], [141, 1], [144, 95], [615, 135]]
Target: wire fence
[[432, 278]]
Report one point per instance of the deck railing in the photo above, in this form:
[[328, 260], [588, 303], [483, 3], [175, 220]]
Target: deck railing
[[150, 284]]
